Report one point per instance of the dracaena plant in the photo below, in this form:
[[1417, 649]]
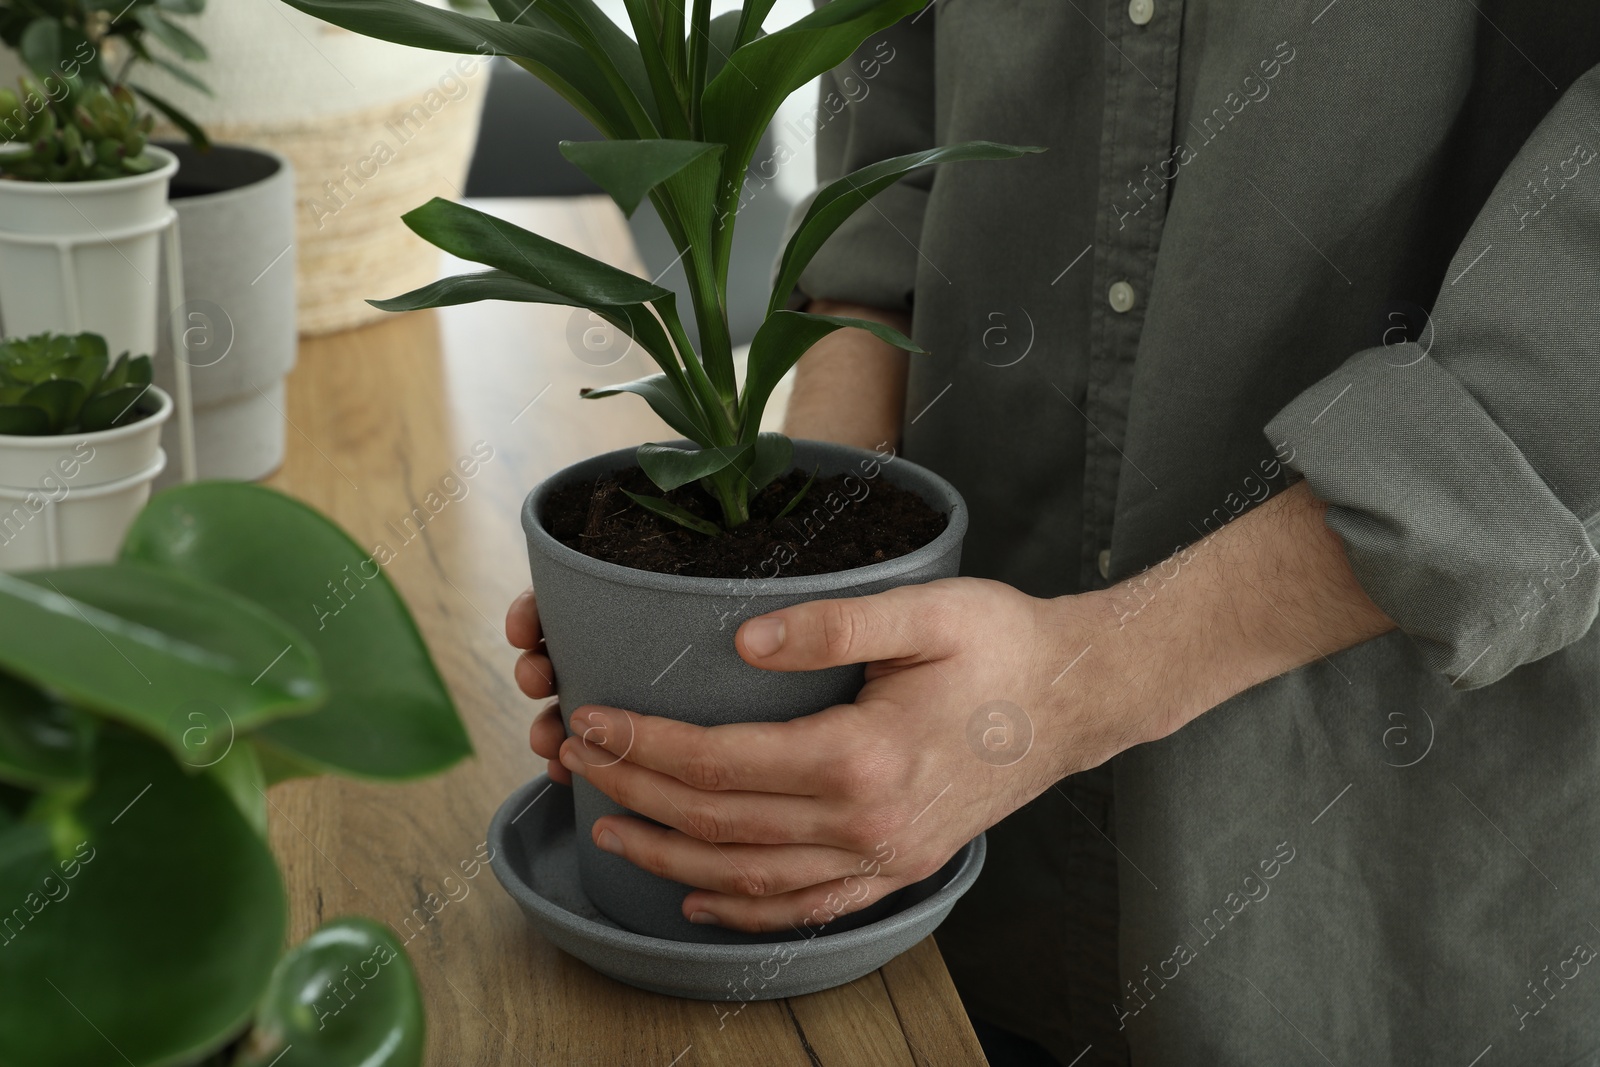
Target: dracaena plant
[[683, 110]]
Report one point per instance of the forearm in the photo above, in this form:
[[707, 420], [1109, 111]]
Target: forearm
[[1269, 592], [850, 387]]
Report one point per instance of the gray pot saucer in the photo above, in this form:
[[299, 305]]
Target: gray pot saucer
[[535, 859]]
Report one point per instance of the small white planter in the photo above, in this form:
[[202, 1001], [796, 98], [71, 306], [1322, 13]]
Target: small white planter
[[68, 499], [236, 326], [78, 256]]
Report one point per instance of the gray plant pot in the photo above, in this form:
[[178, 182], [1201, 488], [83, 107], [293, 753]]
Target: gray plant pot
[[662, 644], [236, 326]]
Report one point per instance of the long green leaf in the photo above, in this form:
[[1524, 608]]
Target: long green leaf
[[177, 116], [751, 16], [471, 234], [628, 170], [772, 456], [673, 513], [779, 344], [674, 120], [145, 647], [635, 320], [840, 199], [159, 921], [388, 714], [724, 41], [740, 101], [669, 466], [169, 33], [554, 57], [676, 410]]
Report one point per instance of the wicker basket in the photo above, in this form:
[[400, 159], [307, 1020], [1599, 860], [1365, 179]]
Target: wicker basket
[[351, 244]]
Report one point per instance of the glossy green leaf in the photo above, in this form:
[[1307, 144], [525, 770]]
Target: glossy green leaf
[[740, 101], [550, 55], [153, 938], [628, 170], [116, 408], [674, 408], [750, 17], [668, 510], [146, 647], [43, 742], [669, 466], [724, 41], [840, 199], [58, 398], [772, 457], [346, 995], [780, 342], [279, 766], [388, 714], [471, 234]]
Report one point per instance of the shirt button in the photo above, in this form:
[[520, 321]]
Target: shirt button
[[1141, 11], [1105, 564], [1121, 297]]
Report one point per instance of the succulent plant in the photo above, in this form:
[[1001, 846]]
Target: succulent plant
[[55, 384], [90, 133]]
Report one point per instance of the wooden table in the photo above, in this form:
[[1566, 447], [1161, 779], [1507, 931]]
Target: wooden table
[[379, 417]]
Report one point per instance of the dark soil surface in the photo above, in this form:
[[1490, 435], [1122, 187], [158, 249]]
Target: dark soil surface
[[845, 521]]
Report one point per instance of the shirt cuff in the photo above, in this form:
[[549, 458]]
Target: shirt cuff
[[1447, 526]]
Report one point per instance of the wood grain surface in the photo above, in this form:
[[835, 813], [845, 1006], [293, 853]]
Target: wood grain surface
[[379, 419]]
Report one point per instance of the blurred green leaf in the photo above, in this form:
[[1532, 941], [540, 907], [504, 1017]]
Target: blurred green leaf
[[145, 647], [43, 742], [387, 714], [344, 996], [154, 938], [169, 33], [672, 512]]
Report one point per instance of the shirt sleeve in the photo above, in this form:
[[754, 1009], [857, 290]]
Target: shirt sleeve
[[877, 105], [1462, 471]]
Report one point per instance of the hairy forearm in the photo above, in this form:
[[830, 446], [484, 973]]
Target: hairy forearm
[[850, 387], [1269, 592]]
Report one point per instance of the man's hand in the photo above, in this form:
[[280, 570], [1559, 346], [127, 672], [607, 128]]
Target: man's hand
[[978, 698]]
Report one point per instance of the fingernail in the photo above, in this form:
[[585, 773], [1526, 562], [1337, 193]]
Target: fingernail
[[610, 842], [584, 723], [570, 760], [763, 637], [705, 918]]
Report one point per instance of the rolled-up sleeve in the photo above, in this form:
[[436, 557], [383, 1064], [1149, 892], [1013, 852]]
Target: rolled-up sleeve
[[877, 105], [1462, 471]]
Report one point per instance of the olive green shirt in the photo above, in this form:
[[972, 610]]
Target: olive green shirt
[[1354, 241]]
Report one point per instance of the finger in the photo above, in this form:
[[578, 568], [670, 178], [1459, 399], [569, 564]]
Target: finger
[[749, 818], [558, 773], [534, 675], [808, 911], [734, 869], [546, 733], [909, 623], [793, 757], [522, 621]]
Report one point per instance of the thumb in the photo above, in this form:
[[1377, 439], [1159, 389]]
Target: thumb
[[905, 623]]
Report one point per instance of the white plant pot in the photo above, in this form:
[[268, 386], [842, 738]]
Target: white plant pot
[[78, 256], [236, 326], [68, 499]]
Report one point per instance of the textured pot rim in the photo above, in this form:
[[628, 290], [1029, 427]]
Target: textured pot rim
[[971, 856], [285, 172], [955, 529], [99, 186], [54, 441]]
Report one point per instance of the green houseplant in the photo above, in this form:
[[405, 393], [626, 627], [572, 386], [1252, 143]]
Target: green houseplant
[[682, 104], [145, 707], [683, 111], [79, 448]]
